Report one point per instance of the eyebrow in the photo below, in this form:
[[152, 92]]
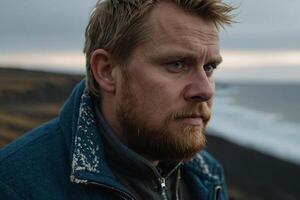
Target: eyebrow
[[184, 53], [216, 59], [175, 53]]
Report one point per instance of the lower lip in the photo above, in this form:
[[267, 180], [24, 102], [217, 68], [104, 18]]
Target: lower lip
[[195, 121]]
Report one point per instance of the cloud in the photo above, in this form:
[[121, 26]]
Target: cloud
[[264, 24]]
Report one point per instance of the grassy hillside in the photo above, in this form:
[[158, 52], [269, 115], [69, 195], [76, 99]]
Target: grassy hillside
[[29, 98]]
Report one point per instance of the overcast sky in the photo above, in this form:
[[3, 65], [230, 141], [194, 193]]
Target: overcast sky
[[43, 24], [57, 24], [265, 24]]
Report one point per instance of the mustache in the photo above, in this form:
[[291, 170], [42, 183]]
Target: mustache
[[200, 110]]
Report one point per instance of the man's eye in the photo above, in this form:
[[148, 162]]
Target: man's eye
[[176, 66], [209, 68]]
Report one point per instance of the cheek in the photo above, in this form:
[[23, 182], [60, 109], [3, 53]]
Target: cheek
[[213, 85], [157, 93], [151, 86], [156, 98]]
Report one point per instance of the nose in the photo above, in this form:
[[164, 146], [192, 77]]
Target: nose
[[201, 88]]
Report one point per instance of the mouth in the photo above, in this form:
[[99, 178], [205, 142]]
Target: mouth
[[194, 120]]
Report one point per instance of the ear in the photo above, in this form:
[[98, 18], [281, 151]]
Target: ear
[[102, 67]]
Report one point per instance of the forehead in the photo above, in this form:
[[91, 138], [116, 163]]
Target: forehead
[[171, 25]]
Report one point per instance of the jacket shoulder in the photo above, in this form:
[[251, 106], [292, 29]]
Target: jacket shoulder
[[31, 161], [29, 140], [31, 150], [8, 193]]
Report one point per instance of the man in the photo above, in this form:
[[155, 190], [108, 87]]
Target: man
[[136, 131]]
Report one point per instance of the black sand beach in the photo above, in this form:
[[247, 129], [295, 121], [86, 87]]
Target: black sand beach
[[254, 175], [29, 98]]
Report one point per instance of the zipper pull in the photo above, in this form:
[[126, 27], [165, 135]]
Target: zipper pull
[[163, 188], [217, 192]]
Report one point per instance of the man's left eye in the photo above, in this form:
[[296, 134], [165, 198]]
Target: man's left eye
[[209, 68]]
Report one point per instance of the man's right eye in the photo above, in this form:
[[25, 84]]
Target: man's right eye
[[176, 66]]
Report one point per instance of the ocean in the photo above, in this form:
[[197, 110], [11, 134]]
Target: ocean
[[262, 116]]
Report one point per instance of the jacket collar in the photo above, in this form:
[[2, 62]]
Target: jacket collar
[[77, 120], [205, 172]]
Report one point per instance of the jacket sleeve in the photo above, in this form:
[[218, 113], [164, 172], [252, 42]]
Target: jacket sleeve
[[7, 193]]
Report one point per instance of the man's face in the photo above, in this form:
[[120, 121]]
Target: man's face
[[164, 101]]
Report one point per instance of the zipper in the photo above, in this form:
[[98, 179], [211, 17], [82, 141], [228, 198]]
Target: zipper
[[126, 196], [123, 195], [162, 181], [163, 188]]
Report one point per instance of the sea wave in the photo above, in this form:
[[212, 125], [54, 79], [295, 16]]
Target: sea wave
[[265, 132]]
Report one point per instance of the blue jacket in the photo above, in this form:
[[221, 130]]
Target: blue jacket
[[64, 159]]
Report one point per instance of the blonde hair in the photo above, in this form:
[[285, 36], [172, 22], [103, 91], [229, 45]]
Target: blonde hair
[[118, 26]]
